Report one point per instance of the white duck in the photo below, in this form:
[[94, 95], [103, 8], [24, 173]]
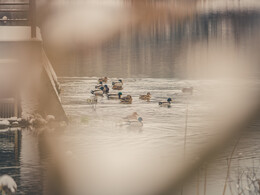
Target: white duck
[[7, 185]]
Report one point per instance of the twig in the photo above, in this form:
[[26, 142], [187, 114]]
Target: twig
[[229, 164]]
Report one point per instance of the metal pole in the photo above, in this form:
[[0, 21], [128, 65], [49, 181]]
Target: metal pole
[[185, 132], [198, 182], [205, 180], [185, 138]]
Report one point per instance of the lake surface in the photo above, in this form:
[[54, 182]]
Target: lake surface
[[219, 41]]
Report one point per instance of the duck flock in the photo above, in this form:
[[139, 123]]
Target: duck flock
[[102, 89]]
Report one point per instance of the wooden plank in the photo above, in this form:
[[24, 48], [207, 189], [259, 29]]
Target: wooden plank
[[50, 99], [33, 18], [14, 3], [11, 20], [7, 101], [14, 10]]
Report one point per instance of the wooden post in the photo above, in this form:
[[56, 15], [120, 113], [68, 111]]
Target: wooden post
[[32, 13]]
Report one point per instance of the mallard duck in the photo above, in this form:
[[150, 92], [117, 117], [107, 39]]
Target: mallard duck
[[103, 79], [118, 83], [127, 99], [114, 95], [145, 97], [99, 85], [133, 116], [188, 90], [167, 104], [135, 122], [98, 92], [115, 87], [106, 89]]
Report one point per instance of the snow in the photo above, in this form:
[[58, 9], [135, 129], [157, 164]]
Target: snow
[[4, 124]]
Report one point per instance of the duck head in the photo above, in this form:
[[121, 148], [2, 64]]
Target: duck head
[[169, 100], [102, 88], [148, 93], [120, 94], [120, 80], [100, 82], [140, 119]]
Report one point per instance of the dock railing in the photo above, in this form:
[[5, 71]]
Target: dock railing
[[29, 10], [8, 108]]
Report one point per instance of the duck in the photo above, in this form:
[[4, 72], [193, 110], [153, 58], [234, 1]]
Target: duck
[[7, 185], [99, 85], [188, 90], [118, 83], [106, 89], [114, 95], [98, 92], [126, 100], [166, 104], [133, 116], [145, 97], [135, 122], [115, 87], [92, 100], [103, 79], [37, 121]]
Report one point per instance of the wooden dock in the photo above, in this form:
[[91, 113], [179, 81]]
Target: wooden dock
[[25, 68]]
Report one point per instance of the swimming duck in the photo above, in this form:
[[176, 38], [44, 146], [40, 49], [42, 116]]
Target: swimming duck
[[166, 104], [118, 83], [136, 122], [114, 96], [103, 79], [115, 87], [188, 90], [106, 89], [92, 100], [133, 116], [145, 97], [126, 100], [99, 85], [98, 92]]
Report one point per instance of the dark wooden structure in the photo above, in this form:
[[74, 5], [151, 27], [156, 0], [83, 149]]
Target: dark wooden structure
[[21, 43], [27, 16]]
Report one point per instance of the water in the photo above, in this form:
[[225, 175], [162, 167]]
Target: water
[[162, 135], [220, 40]]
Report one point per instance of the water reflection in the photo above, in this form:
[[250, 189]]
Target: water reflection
[[19, 159], [167, 50], [10, 151]]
